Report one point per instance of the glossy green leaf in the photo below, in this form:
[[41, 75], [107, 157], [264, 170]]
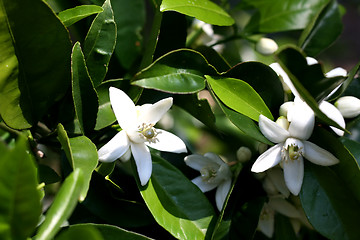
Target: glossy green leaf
[[329, 204], [62, 206], [199, 108], [244, 123], [323, 30], [20, 206], [47, 175], [26, 93], [91, 231], [353, 147], [240, 96], [264, 81], [179, 71], [203, 10], [99, 44], [84, 94], [275, 16], [348, 169], [73, 15], [176, 203], [309, 81], [129, 40], [81, 153]]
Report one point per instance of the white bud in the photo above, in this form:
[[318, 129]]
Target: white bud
[[283, 122], [349, 106], [266, 46], [243, 154], [285, 107]]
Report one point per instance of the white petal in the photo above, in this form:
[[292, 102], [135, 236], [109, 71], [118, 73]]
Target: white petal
[[336, 72], [276, 176], [143, 161], [203, 185], [168, 142], [284, 207], [349, 106], [115, 148], [266, 221], [294, 174], [318, 155], [214, 158], [196, 161], [221, 193], [278, 69], [302, 120], [333, 113], [268, 159], [311, 61], [152, 114], [123, 107], [272, 130]]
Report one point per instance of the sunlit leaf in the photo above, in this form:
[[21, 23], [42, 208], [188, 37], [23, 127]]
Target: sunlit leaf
[[99, 44], [82, 154], [176, 203], [73, 15], [32, 75], [20, 206], [84, 94], [240, 96], [203, 10]]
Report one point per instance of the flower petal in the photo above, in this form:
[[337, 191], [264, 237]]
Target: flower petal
[[123, 107], [318, 155], [311, 61], [168, 142], [143, 161], [152, 114], [282, 206], [336, 72], [221, 193], [115, 148], [214, 158], [333, 113], [196, 161], [302, 120], [276, 176], [267, 221], [294, 174], [349, 106], [278, 69], [203, 185], [272, 130], [268, 159]]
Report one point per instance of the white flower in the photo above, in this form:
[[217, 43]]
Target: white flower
[[214, 173], [292, 146], [138, 132], [349, 106], [327, 108], [266, 46]]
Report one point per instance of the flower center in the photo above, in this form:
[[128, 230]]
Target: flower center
[[293, 149], [148, 132], [208, 173]]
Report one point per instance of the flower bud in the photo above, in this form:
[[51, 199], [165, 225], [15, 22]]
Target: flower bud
[[349, 106], [266, 46], [283, 122], [284, 108], [243, 154]]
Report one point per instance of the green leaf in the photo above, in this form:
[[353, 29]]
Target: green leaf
[[199, 108], [62, 207], [275, 16], [73, 15], [309, 81], [84, 94], [329, 204], [203, 10], [20, 206], [81, 153], [99, 44], [264, 81], [245, 124], [323, 31], [129, 44], [176, 203], [47, 175], [353, 147], [26, 93], [91, 231], [283, 228], [240, 96], [179, 71]]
